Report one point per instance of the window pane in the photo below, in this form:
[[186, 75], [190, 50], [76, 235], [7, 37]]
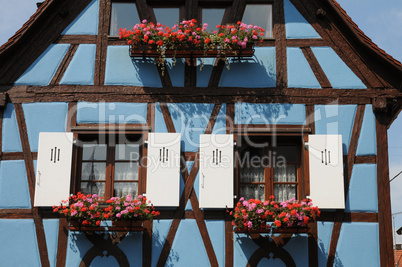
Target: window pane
[[126, 171], [93, 188], [285, 173], [167, 16], [285, 154], [93, 152], [124, 15], [212, 16], [283, 192], [249, 175], [127, 152], [252, 191], [260, 15], [93, 171], [124, 189]]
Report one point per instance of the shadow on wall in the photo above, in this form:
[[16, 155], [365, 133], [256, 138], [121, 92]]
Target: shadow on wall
[[158, 242], [105, 249], [323, 256], [250, 72], [146, 72], [285, 254]]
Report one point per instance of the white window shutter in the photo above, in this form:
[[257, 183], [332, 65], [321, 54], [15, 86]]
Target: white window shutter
[[163, 169], [326, 171], [216, 171], [53, 172]]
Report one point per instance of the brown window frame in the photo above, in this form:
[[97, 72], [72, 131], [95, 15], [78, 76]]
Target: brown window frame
[[141, 134], [298, 139]]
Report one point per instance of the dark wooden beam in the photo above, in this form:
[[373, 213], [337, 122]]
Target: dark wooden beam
[[330, 32], [40, 232], [62, 243], [279, 32], [316, 68], [305, 42], [147, 243], [366, 159], [76, 39], [188, 188], [383, 192], [64, 64], [102, 41], [339, 215], [43, 31], [16, 214]]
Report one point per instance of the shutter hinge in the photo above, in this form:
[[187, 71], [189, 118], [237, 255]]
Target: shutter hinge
[[306, 145]]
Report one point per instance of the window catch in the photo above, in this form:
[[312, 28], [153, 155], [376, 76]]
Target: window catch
[[306, 145]]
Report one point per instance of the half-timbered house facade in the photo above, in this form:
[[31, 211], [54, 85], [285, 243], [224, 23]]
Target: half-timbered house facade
[[75, 108]]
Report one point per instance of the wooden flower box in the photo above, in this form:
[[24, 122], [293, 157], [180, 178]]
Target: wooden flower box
[[188, 52], [117, 226]]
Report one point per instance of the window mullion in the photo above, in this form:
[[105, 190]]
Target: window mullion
[[110, 156]]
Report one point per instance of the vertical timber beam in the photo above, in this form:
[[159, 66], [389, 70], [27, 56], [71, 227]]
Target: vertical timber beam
[[101, 42], [280, 44], [383, 191], [40, 232]]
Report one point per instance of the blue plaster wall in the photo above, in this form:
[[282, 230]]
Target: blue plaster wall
[[191, 120], [10, 135], [258, 71], [296, 25], [87, 22], [14, 190], [300, 74], [176, 72], [81, 69], [44, 117], [324, 233], [132, 247], [77, 246], [246, 113], [159, 234], [362, 194], [204, 75], [358, 245], [338, 73], [335, 119], [216, 231], [45, 66], [18, 246], [367, 144], [111, 112], [51, 227], [160, 125], [188, 248], [121, 69], [244, 247]]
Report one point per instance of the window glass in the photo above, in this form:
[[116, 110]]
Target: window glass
[[124, 15], [266, 170], [213, 17], [109, 169], [167, 16], [260, 15]]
